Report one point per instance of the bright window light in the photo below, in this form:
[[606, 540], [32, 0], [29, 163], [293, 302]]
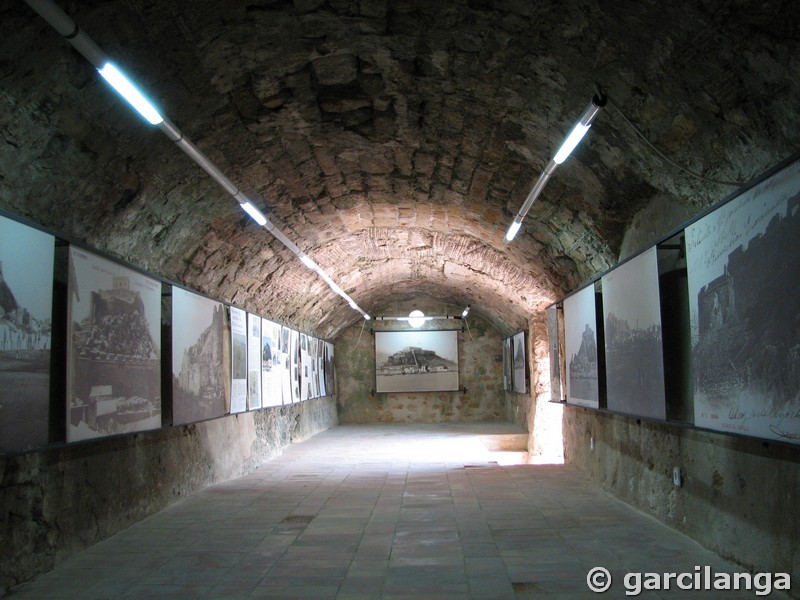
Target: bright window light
[[512, 230], [573, 139], [416, 318], [254, 212], [128, 91]]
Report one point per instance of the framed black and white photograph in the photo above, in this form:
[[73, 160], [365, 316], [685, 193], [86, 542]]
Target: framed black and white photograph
[[508, 365], [113, 348], [238, 360], [294, 362], [254, 342], [580, 341], [321, 368], [272, 363], [744, 304], [520, 362], [330, 376], [26, 307], [416, 361], [305, 369], [284, 348], [200, 358], [632, 325]]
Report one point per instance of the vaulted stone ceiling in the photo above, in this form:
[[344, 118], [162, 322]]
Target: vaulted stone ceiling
[[392, 141]]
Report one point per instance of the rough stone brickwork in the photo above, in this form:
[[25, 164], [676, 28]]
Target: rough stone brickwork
[[62, 500], [480, 373], [392, 140]]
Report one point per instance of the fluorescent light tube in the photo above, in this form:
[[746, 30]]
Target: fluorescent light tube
[[308, 262], [254, 212], [367, 317], [465, 313], [573, 139], [512, 230], [128, 91]]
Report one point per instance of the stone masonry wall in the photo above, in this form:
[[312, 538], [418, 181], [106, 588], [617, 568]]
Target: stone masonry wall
[[480, 372], [66, 498]]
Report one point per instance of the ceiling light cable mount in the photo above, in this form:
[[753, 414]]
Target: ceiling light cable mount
[[79, 40], [569, 144]]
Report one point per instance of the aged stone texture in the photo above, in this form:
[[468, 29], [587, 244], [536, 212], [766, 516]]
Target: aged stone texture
[[480, 373], [60, 500], [410, 118]]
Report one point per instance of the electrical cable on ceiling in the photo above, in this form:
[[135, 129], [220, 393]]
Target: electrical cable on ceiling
[[363, 325], [469, 331], [663, 156]]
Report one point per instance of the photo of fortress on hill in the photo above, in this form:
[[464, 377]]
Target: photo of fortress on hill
[[416, 361]]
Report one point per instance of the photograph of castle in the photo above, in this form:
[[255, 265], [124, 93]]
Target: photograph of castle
[[744, 303], [580, 341], [26, 306], [634, 353], [113, 348], [416, 361], [200, 358]]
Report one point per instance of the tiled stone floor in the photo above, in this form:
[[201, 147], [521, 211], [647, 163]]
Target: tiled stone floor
[[385, 512]]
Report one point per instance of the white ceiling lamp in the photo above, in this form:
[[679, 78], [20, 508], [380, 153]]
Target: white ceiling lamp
[[65, 26], [416, 318], [573, 139]]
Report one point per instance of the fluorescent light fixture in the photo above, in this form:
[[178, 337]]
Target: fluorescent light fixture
[[367, 317], [353, 305], [573, 139], [416, 318], [308, 262], [466, 312], [128, 91], [254, 213], [512, 230]]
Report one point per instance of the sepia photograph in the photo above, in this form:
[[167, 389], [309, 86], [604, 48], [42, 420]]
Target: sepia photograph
[[634, 352], [26, 306], [113, 349], [744, 304], [416, 361], [200, 358], [580, 333]]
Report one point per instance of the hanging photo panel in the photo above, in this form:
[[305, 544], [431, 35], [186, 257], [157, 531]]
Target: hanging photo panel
[[330, 376], [294, 361], [284, 348], [238, 360], [200, 358], [26, 307], [508, 365], [305, 369], [416, 361], [520, 362], [272, 363], [580, 333], [744, 302], [253, 361], [113, 351], [632, 326]]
